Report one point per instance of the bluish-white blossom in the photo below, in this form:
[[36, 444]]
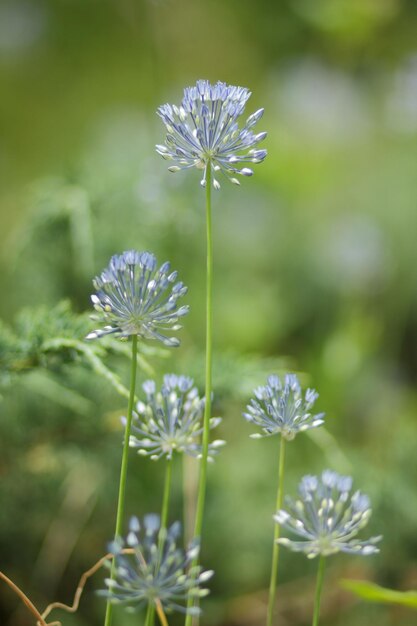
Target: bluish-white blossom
[[204, 131], [281, 407], [149, 567], [133, 297], [326, 517], [171, 420]]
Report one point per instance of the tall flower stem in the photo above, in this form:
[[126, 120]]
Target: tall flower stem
[[149, 615], [164, 521], [209, 324], [165, 498], [275, 548], [319, 587], [123, 469], [198, 526]]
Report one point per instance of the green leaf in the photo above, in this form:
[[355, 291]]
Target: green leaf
[[43, 383], [375, 593]]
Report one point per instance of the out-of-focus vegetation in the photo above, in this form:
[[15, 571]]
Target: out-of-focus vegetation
[[376, 593], [315, 271]]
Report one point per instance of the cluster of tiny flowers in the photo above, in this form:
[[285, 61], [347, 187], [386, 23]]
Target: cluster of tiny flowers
[[281, 408], [147, 570], [204, 131], [136, 298], [327, 517], [171, 420]]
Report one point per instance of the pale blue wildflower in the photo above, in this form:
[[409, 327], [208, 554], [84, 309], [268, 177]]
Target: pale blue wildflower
[[282, 408], [154, 569], [204, 131], [327, 517], [171, 420], [135, 298]]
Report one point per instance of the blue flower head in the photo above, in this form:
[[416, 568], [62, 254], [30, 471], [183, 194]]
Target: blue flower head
[[133, 297], [327, 517], [170, 420], [204, 131], [148, 570], [282, 408]]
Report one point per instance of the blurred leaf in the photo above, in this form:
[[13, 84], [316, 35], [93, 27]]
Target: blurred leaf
[[375, 593], [43, 384], [331, 450], [51, 337]]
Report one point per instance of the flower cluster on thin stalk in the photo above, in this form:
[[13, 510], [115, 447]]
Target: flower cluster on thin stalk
[[204, 131], [170, 420], [281, 407], [135, 298], [327, 517], [147, 571]]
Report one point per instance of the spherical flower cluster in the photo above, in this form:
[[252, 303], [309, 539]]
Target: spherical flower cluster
[[203, 131], [171, 420], [135, 298], [282, 408], [148, 570], [327, 517]]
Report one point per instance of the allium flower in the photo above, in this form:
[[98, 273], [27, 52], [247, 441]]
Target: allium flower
[[171, 420], [327, 517], [204, 130], [154, 570], [137, 299], [282, 408]]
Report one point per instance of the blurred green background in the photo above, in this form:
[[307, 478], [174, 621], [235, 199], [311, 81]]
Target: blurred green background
[[315, 261]]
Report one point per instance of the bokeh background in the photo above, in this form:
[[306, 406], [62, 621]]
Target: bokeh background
[[315, 272]]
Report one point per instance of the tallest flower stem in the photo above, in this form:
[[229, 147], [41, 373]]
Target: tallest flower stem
[[208, 386], [123, 469], [209, 323]]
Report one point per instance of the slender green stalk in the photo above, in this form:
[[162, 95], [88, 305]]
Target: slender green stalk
[[150, 619], [207, 409], [123, 468], [275, 548], [319, 587], [198, 526], [149, 614], [165, 499], [164, 520], [189, 489]]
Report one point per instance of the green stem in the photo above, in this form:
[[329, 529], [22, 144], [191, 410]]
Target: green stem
[[123, 468], [275, 547], [319, 587], [198, 526], [208, 387], [164, 520], [165, 499], [149, 614], [150, 619]]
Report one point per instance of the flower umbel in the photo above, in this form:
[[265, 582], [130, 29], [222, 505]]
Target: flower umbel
[[171, 420], [327, 517], [282, 408], [135, 298], [154, 570], [204, 131]]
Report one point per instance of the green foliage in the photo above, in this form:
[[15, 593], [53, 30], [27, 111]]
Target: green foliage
[[27, 345], [50, 338], [314, 272], [375, 593]]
